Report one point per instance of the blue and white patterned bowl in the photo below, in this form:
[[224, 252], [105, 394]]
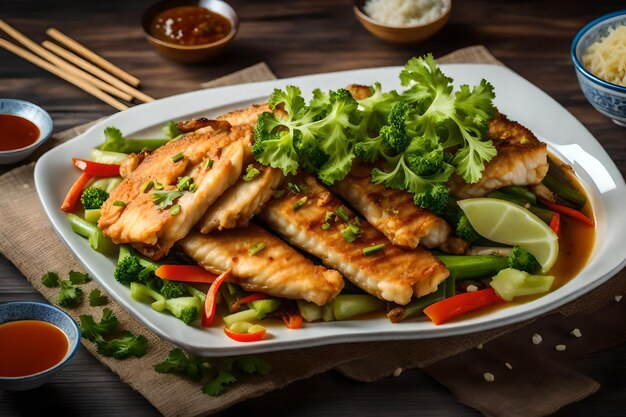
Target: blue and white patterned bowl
[[35, 114], [32, 310], [609, 99]]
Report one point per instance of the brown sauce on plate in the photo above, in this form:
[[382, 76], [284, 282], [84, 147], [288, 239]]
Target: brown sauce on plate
[[16, 132], [30, 346], [190, 26]]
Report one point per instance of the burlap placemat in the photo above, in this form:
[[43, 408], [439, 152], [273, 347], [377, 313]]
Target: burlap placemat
[[30, 243]]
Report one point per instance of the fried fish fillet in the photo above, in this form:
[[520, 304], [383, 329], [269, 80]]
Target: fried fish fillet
[[277, 270], [393, 274], [247, 116], [522, 159], [237, 206], [392, 212], [131, 215]]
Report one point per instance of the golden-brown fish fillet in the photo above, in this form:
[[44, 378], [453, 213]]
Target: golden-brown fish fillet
[[392, 212], [242, 201], [393, 274], [153, 231], [247, 116], [521, 160], [278, 270]]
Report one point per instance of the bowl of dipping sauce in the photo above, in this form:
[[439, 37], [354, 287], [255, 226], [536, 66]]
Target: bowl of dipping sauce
[[36, 341], [402, 21], [599, 58], [190, 31], [24, 127]]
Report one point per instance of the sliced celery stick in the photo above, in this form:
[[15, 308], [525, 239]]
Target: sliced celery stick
[[309, 311], [264, 307], [92, 215], [347, 306], [511, 283], [240, 327], [327, 312], [245, 315]]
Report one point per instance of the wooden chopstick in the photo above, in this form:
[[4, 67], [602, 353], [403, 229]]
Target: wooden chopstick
[[89, 67], [92, 56], [64, 65], [79, 82]]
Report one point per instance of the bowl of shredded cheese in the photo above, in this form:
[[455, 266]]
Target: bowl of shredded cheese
[[599, 56], [403, 21]]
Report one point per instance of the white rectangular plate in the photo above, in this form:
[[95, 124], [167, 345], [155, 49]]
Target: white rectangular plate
[[516, 97]]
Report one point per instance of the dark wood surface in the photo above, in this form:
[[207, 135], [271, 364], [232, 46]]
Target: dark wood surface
[[295, 38]]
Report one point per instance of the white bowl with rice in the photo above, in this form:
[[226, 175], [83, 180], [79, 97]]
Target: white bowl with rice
[[403, 21], [599, 55]]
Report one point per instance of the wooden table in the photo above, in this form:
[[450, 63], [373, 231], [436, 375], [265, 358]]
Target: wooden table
[[295, 38]]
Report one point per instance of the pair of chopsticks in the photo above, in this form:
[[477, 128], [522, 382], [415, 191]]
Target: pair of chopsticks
[[102, 80]]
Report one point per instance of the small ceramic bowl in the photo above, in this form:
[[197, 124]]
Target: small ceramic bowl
[[609, 99], [32, 310], [35, 114], [401, 34], [191, 53]]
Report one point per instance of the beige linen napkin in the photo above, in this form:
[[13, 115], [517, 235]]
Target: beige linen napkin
[[29, 241]]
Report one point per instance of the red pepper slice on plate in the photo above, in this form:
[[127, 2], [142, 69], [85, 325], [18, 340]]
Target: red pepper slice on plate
[[449, 308], [97, 169], [185, 273], [555, 224], [568, 211], [73, 195], [245, 337], [247, 299], [208, 312], [292, 319]]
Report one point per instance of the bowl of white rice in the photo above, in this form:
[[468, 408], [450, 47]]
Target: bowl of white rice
[[403, 21], [599, 56]]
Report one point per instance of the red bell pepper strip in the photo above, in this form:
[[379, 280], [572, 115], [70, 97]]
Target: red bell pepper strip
[[73, 195], [97, 169], [208, 312], [555, 224], [292, 319], [185, 273], [247, 299], [568, 211], [449, 308], [245, 337]]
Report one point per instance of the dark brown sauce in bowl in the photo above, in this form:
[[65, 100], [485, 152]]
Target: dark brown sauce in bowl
[[190, 26], [16, 132]]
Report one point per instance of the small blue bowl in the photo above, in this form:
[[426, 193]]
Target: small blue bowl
[[35, 114], [609, 99], [32, 310]]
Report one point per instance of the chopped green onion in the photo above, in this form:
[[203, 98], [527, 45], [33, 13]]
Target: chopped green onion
[[256, 248], [178, 157], [330, 216], [119, 203], [299, 203], [357, 221], [351, 233], [373, 249], [279, 193], [326, 226], [158, 185], [294, 187], [175, 209], [341, 212], [184, 183], [209, 163], [147, 186], [251, 173], [193, 188], [392, 210]]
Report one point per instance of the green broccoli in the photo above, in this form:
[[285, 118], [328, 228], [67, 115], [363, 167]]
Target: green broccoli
[[426, 163], [114, 141], [434, 199], [173, 289], [187, 309], [375, 110], [93, 198], [522, 260], [97, 240], [133, 268], [465, 231], [394, 132]]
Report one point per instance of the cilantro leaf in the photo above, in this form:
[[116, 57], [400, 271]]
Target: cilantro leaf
[[164, 199], [252, 365], [77, 278], [124, 347], [97, 331], [50, 280], [219, 384], [96, 298], [180, 362], [70, 295]]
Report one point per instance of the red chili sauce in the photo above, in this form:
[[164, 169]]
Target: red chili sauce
[[16, 132], [28, 347], [189, 26]]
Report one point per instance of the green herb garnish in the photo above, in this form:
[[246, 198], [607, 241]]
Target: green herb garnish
[[256, 248], [299, 203], [373, 249], [175, 209], [325, 226], [164, 199], [251, 173], [50, 280], [351, 233], [184, 183], [119, 203], [146, 186], [209, 163], [96, 298], [341, 212], [178, 157], [77, 278]]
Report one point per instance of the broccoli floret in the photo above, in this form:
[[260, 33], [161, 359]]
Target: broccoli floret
[[133, 268], [173, 289], [465, 231], [434, 199], [522, 260], [114, 141], [93, 198], [394, 133], [427, 163], [97, 240], [187, 309]]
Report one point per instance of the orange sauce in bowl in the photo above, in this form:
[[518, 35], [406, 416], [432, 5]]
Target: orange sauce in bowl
[[190, 26], [28, 347], [16, 132]]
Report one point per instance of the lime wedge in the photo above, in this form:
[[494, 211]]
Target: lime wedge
[[505, 222]]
